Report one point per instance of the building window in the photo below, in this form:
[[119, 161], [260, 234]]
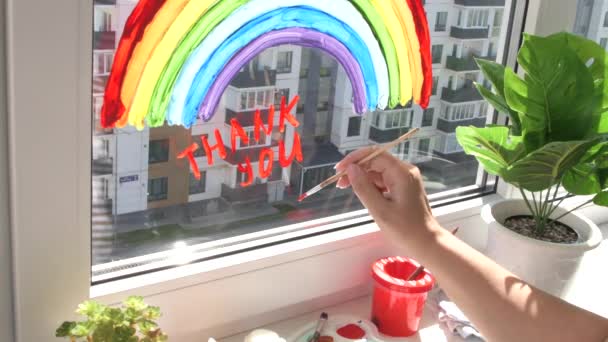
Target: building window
[[423, 147], [398, 119], [427, 117], [435, 83], [158, 189], [284, 59], [197, 139], [284, 92], [441, 21], [197, 186], [606, 20], [603, 42], [458, 112], [437, 53], [158, 151], [478, 18], [402, 150], [376, 119], [256, 99], [251, 141], [354, 126]]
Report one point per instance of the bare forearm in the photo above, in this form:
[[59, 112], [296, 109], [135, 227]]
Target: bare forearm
[[502, 306]]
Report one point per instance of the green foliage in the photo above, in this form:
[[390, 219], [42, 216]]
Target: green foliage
[[559, 122], [134, 322]]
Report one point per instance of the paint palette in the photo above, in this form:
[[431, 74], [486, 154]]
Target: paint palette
[[343, 328]]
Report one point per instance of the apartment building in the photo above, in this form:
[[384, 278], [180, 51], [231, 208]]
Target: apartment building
[[137, 171]]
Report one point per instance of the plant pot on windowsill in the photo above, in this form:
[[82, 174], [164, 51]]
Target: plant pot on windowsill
[[550, 266], [557, 137]]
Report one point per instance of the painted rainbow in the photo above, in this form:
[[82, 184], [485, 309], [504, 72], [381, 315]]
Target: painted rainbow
[[176, 57]]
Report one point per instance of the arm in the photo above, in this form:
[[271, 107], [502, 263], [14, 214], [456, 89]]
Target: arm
[[503, 307]]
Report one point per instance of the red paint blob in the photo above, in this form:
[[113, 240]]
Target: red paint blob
[[351, 331]]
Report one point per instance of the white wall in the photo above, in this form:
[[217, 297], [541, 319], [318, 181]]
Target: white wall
[[6, 309]]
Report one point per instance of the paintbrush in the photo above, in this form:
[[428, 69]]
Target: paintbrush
[[371, 156], [319, 329], [420, 268]]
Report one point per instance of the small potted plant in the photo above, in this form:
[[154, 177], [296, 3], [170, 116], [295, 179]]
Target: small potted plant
[[556, 140], [134, 322]]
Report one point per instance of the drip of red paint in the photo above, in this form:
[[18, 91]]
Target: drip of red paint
[[302, 197], [351, 331]]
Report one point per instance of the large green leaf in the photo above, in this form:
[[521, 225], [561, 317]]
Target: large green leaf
[[586, 50], [543, 168], [582, 179], [557, 86], [492, 146], [601, 199], [528, 100], [495, 73]]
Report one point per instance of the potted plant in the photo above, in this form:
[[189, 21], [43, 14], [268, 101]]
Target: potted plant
[[556, 139], [134, 322]]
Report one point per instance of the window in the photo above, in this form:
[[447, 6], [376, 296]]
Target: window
[[255, 99], [251, 141], [459, 112], [603, 42], [280, 94], [284, 62], [159, 151], [441, 21], [437, 53], [427, 117], [423, 147], [398, 119], [158, 189], [197, 186], [163, 195], [197, 139], [478, 18], [354, 126], [402, 150], [606, 20]]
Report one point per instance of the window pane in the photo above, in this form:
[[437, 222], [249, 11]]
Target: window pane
[[437, 53], [354, 126], [147, 199], [441, 21], [159, 151]]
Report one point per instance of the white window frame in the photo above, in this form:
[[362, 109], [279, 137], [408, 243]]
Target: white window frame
[[50, 240], [250, 131]]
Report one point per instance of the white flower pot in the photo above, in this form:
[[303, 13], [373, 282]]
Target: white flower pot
[[546, 265]]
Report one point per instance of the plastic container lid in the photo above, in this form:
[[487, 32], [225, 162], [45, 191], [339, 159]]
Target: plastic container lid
[[392, 273]]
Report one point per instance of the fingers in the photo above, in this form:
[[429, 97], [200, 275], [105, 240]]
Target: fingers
[[366, 190]]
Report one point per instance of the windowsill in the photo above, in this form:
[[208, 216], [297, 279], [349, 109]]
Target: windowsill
[[583, 293]]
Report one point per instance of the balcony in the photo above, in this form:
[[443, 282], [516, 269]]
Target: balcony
[[465, 94], [386, 135], [469, 33], [260, 78], [480, 3], [465, 63], [449, 126], [105, 40]]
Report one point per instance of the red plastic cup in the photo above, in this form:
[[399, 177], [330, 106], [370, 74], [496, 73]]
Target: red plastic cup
[[397, 303]]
